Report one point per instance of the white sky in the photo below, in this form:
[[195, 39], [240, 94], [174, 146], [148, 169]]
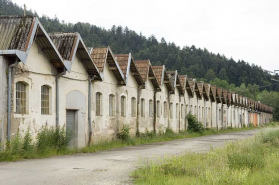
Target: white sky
[[241, 29]]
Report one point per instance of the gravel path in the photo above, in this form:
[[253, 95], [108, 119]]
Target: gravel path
[[106, 167]]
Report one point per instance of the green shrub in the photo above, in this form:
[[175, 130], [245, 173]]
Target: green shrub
[[124, 134], [251, 125], [27, 141], [193, 124], [50, 138]]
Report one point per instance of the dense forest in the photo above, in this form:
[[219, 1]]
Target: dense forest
[[239, 76]]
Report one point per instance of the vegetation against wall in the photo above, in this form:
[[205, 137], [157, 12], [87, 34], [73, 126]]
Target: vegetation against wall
[[252, 161]]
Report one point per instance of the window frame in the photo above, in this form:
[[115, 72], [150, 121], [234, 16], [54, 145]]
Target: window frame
[[123, 106], [112, 105], [18, 94], [48, 95], [99, 105]]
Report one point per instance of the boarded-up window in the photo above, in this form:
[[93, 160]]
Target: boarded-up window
[[98, 104], [150, 108], [142, 107], [45, 104], [171, 110], [20, 98], [111, 105], [158, 109], [165, 109], [123, 106], [177, 110], [133, 107]]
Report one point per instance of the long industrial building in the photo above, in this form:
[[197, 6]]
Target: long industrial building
[[55, 80]]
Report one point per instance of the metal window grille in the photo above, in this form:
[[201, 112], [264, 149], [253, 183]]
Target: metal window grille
[[123, 106], [98, 103], [133, 107], [20, 98], [111, 105], [45, 99], [150, 108], [142, 110], [158, 109]]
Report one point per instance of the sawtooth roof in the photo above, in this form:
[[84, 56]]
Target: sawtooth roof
[[209, 92], [127, 65], [146, 72], [102, 56], [203, 90], [194, 87], [175, 81], [18, 34], [71, 44]]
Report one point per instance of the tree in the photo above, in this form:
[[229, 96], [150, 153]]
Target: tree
[[223, 74], [210, 75]]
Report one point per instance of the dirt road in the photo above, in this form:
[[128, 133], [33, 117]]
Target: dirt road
[[106, 167]]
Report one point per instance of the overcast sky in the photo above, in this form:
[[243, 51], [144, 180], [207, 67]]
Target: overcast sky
[[241, 29]]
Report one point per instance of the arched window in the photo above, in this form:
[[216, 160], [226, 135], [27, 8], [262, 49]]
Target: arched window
[[158, 109], [142, 107], [171, 110], [123, 106], [182, 111], [133, 107], [21, 98], [150, 108], [111, 105], [165, 109], [177, 110], [98, 104], [45, 100]]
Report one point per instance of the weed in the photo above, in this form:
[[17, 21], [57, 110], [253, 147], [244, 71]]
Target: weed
[[124, 134]]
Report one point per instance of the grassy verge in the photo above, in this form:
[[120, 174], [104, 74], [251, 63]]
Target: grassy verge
[[50, 143], [251, 161]]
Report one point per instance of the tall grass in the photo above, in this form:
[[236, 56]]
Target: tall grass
[[252, 161]]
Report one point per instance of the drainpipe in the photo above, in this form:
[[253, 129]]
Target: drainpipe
[[10, 99], [57, 96], [155, 112], [90, 81], [138, 110], [169, 109], [179, 110]]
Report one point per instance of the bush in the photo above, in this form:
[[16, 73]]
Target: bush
[[27, 141], [251, 125], [193, 124], [124, 134], [53, 138]]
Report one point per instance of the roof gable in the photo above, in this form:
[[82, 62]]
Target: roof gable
[[102, 56], [127, 65], [147, 73], [175, 81], [18, 34], [203, 90], [194, 87], [209, 92], [71, 44]]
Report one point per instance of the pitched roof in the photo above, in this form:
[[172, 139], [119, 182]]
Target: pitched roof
[[220, 94], [202, 90], [102, 56], [127, 65], [162, 77], [68, 45], [229, 98], [175, 80], [209, 92], [194, 87], [225, 96], [184, 80], [146, 72], [17, 34]]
